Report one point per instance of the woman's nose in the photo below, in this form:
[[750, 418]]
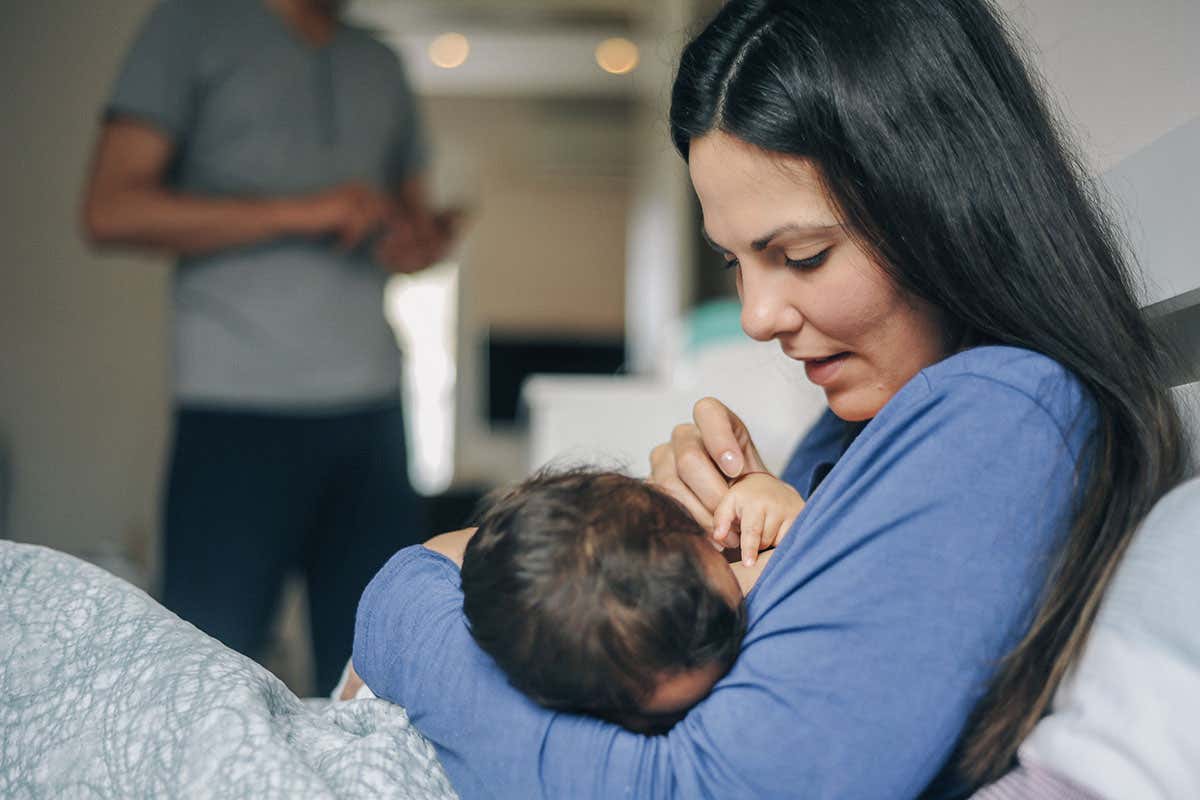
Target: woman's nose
[[766, 309]]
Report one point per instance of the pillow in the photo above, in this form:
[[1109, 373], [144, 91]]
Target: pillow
[[1126, 721]]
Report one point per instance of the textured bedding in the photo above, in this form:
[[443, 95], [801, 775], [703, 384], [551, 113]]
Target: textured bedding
[[105, 693]]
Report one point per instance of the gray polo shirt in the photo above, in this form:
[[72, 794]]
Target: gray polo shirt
[[254, 111]]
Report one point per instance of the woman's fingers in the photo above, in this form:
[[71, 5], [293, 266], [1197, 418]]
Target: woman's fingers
[[715, 423], [695, 466], [725, 438], [723, 519], [699, 512], [692, 466], [664, 476]]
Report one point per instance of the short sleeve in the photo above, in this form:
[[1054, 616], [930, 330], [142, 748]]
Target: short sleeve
[[411, 151], [156, 80]]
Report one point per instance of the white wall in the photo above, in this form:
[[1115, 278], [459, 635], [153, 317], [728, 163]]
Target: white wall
[[1156, 191], [83, 338], [82, 372], [545, 247], [662, 236], [1123, 72], [82, 357]]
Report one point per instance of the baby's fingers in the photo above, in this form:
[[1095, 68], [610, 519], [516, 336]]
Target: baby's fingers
[[784, 527], [723, 519], [752, 528]]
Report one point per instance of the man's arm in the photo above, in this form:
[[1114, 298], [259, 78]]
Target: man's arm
[[126, 202]]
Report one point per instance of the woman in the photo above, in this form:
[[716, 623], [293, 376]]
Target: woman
[[903, 219]]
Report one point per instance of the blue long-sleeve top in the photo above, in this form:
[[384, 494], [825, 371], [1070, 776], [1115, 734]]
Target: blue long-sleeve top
[[915, 566]]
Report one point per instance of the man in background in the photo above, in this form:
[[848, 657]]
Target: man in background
[[277, 152]]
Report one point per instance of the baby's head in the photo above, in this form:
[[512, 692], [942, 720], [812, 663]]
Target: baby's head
[[597, 593]]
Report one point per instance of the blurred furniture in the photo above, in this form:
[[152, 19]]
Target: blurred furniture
[[512, 358]]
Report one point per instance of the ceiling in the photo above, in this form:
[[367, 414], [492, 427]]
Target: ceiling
[[515, 13], [524, 47], [1122, 73]]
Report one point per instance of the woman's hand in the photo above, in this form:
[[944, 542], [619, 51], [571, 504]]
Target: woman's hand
[[763, 509], [696, 465]]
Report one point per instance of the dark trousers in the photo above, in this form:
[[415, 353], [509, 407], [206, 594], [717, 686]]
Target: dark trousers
[[252, 496]]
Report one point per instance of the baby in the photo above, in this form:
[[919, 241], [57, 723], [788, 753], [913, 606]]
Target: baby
[[597, 593]]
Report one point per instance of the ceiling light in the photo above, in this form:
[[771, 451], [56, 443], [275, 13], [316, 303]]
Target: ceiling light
[[617, 56], [449, 50]]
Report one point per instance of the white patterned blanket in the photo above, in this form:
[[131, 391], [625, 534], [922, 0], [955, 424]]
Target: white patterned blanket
[[106, 694]]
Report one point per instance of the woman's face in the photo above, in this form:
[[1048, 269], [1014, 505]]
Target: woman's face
[[805, 282]]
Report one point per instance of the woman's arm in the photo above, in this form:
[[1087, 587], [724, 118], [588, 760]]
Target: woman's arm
[[873, 632]]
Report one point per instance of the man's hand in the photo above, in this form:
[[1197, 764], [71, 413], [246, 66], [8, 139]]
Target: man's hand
[[351, 212], [762, 507], [413, 241]]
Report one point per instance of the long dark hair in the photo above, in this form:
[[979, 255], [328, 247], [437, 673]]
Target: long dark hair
[[938, 150]]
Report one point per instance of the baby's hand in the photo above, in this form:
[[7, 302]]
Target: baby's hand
[[763, 507]]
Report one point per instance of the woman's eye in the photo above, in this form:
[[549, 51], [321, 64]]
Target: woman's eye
[[731, 263], [810, 262]]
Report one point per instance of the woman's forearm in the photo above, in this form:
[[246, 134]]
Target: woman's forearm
[[867, 645]]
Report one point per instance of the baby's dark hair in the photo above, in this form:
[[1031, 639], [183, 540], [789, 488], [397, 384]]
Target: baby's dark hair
[[588, 586]]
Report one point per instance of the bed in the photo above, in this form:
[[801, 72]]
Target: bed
[[105, 693]]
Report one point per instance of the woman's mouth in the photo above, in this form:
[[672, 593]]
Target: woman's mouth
[[823, 370]]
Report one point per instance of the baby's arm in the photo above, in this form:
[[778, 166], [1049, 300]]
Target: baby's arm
[[747, 576], [763, 507], [452, 545]]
